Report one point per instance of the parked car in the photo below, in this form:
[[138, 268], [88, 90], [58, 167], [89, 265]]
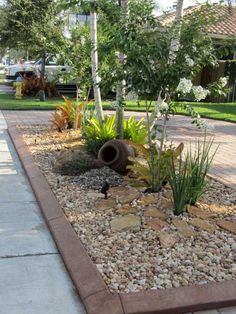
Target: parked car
[[29, 68]]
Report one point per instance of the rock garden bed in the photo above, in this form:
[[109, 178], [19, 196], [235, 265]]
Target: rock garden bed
[[134, 238]]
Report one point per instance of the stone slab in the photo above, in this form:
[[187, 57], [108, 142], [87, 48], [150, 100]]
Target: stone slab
[[37, 285]]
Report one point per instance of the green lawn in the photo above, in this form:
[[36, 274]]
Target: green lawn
[[220, 111], [8, 102]]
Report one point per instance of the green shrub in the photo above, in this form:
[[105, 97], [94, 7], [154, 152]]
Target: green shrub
[[76, 168], [136, 131], [73, 162], [154, 168], [96, 135]]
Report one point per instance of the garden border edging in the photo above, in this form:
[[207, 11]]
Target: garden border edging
[[85, 276]]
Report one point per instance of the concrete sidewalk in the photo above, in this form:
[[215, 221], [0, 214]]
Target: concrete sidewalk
[[33, 279]]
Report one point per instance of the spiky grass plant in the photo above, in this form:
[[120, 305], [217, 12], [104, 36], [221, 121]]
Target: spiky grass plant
[[199, 160], [188, 175], [179, 179]]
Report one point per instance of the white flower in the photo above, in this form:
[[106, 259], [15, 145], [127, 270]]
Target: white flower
[[223, 81], [160, 105], [199, 92], [184, 86], [189, 61]]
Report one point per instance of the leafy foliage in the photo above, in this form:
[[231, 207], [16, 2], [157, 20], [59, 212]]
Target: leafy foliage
[[135, 131], [154, 170], [76, 166], [35, 26], [68, 115], [97, 135], [31, 86], [58, 121]]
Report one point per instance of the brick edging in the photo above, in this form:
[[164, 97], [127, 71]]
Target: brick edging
[[85, 276]]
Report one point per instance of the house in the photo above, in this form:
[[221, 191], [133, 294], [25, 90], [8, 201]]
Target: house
[[223, 34]]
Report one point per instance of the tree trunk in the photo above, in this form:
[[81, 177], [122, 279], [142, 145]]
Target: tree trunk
[[174, 46], [94, 58], [43, 58], [120, 88], [42, 75]]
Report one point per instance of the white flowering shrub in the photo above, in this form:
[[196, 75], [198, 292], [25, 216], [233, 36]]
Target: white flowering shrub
[[189, 61], [220, 87], [184, 86], [223, 81], [199, 92]]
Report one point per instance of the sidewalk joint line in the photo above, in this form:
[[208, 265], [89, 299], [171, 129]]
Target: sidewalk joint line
[[28, 255]]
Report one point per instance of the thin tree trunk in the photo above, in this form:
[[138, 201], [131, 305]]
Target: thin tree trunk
[[42, 75], [120, 88], [94, 58], [174, 46]]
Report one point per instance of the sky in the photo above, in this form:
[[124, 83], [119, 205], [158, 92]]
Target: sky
[[164, 4]]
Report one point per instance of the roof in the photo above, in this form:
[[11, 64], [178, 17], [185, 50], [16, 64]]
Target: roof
[[225, 27]]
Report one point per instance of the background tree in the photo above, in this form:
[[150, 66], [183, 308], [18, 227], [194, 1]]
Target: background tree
[[35, 25]]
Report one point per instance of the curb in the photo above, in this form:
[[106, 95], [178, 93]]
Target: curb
[[87, 280]]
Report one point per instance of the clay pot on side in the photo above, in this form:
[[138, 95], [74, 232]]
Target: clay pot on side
[[115, 154]]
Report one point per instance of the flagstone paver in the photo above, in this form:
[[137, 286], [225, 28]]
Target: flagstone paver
[[33, 277]]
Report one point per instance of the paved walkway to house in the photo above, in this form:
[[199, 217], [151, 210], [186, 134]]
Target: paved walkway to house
[[180, 130], [33, 277]]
